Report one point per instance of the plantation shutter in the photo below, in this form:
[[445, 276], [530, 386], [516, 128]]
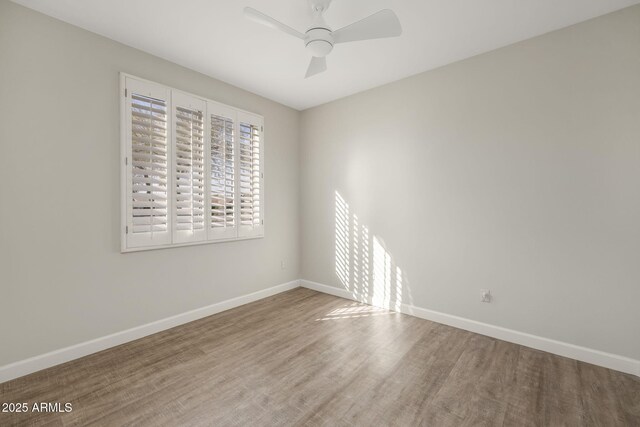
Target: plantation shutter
[[147, 164], [222, 197], [250, 175], [192, 169], [189, 222]]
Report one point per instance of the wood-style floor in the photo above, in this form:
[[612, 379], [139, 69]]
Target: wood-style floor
[[306, 358]]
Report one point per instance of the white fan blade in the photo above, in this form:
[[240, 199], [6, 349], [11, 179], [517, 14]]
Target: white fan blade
[[379, 25], [317, 66], [263, 19]]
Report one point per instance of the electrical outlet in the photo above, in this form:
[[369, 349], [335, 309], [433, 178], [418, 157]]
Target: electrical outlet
[[282, 265], [486, 295]]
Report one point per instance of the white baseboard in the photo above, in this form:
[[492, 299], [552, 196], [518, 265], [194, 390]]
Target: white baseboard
[[47, 360], [584, 354], [331, 290]]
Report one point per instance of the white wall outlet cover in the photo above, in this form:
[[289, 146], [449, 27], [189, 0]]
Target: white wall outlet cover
[[486, 295]]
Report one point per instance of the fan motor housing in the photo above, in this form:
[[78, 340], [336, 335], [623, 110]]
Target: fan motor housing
[[319, 42]]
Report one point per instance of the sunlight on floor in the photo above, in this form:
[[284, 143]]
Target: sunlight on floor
[[354, 310]]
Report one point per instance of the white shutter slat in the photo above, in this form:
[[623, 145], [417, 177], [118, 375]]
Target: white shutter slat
[[141, 155], [143, 207], [189, 168], [141, 179]]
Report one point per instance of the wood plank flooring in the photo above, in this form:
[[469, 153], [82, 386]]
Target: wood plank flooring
[[306, 358]]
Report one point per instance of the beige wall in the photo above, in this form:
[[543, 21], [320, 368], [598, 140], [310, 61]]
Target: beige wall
[[517, 171], [63, 279]]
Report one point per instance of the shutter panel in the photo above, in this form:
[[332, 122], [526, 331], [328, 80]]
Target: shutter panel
[[250, 179], [222, 149], [147, 134], [188, 168]]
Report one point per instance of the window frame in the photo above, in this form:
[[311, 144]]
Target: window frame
[[211, 107]]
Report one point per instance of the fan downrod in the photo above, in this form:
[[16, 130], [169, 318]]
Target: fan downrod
[[319, 5]]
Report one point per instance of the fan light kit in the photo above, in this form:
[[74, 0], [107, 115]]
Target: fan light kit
[[319, 39]]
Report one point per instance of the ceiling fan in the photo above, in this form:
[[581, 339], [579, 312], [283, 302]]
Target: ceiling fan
[[319, 39]]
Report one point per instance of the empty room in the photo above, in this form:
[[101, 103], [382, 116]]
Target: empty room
[[320, 213]]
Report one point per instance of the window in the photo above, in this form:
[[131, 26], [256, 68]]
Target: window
[[193, 169]]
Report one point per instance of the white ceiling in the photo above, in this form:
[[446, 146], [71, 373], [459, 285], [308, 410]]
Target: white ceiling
[[213, 37]]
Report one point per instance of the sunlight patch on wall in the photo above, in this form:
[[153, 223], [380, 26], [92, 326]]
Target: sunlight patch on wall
[[363, 265], [342, 240], [381, 275]]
